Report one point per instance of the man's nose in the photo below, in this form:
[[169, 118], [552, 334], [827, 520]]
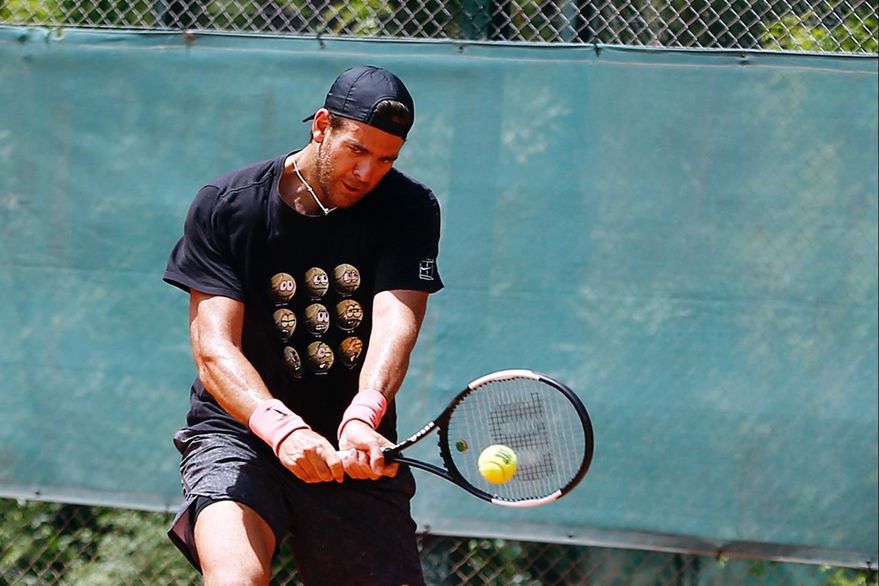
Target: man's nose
[[363, 170]]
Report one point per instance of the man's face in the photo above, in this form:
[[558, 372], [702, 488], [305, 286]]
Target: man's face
[[351, 160]]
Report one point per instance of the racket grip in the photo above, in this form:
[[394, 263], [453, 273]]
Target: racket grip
[[390, 454]]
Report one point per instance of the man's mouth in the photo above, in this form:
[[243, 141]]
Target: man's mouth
[[356, 188]]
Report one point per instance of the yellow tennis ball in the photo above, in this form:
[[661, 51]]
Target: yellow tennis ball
[[497, 464]]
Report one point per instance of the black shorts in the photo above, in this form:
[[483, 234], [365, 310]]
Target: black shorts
[[356, 532]]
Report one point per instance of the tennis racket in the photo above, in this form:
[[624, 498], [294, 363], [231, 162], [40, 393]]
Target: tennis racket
[[539, 418]]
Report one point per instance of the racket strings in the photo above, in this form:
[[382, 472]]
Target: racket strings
[[535, 420], [530, 410]]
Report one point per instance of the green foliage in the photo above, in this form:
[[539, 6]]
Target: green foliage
[[357, 17], [120, 13], [848, 577], [50, 543], [823, 28], [132, 545], [809, 33], [58, 536], [30, 11]]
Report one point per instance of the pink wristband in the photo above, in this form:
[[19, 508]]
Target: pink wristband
[[272, 421], [368, 406]]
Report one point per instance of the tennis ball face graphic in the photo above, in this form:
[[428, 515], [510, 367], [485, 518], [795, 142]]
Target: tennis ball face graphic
[[319, 357], [293, 362], [346, 279], [285, 321], [317, 318], [497, 464], [316, 282], [349, 314], [350, 350], [283, 287]]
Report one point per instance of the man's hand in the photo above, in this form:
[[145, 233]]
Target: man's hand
[[366, 461], [309, 456]]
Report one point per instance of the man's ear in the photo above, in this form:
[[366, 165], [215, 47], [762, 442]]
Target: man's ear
[[320, 125]]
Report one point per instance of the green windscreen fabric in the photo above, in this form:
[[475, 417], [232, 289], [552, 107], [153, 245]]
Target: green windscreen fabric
[[688, 239]]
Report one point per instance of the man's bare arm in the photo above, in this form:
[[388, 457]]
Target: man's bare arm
[[397, 319], [215, 328], [216, 324]]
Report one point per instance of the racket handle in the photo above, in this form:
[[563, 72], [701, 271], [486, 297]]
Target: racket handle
[[390, 454]]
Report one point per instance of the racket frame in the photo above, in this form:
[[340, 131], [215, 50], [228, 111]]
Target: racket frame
[[451, 472]]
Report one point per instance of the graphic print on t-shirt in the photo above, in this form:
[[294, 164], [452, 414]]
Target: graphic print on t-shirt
[[316, 282], [283, 287], [317, 319], [346, 279], [294, 363], [349, 351], [320, 357], [318, 325], [285, 321], [349, 314]]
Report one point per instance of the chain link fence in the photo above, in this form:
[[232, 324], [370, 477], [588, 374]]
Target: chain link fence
[[49, 543], [848, 26], [57, 544]]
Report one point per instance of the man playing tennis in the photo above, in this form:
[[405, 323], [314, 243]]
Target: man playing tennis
[[308, 277]]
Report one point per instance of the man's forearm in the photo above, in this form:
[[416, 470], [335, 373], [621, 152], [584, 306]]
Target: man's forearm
[[232, 381], [396, 321], [215, 333]]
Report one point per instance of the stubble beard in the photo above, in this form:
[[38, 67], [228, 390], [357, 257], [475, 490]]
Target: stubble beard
[[324, 176]]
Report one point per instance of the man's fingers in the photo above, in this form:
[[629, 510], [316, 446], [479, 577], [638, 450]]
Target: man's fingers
[[357, 464], [334, 462], [377, 460], [391, 468], [322, 459], [386, 467], [303, 470], [368, 463], [381, 466], [360, 465], [315, 464]]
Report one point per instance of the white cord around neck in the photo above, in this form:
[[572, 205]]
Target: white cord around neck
[[310, 190]]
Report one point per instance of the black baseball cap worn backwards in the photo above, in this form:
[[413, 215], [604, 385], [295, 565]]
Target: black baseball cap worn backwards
[[356, 93]]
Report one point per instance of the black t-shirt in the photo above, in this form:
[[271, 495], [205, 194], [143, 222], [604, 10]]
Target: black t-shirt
[[307, 282]]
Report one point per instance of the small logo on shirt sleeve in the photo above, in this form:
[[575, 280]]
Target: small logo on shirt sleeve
[[426, 269]]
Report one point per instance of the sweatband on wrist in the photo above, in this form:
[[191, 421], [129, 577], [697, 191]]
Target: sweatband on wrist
[[272, 422], [368, 406]]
